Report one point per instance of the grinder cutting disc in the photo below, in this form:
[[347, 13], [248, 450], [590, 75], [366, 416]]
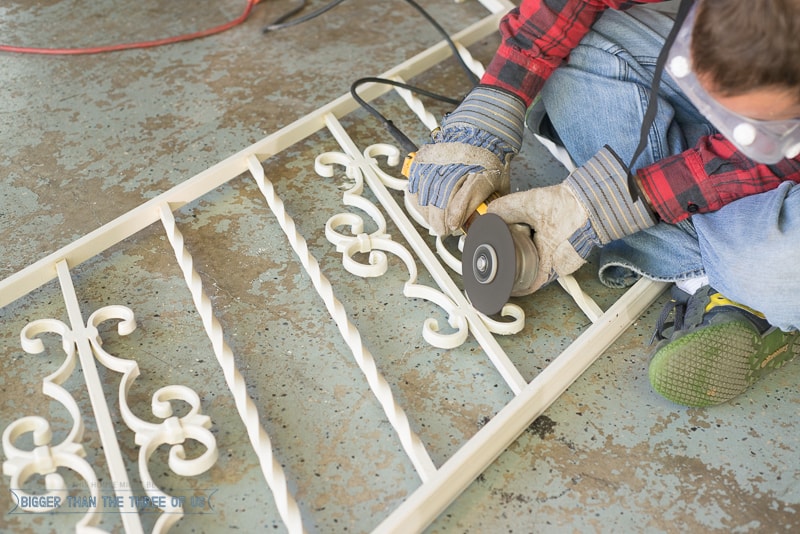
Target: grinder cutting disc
[[488, 263]]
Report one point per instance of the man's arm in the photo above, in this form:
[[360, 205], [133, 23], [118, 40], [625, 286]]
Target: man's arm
[[470, 153], [707, 177], [537, 37]]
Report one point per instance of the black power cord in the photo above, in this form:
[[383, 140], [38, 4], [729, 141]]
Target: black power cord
[[279, 23], [471, 75], [399, 136]]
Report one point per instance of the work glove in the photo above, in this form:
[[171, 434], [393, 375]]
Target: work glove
[[591, 207], [468, 158]]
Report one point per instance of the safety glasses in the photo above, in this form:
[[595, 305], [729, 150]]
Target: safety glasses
[[763, 141]]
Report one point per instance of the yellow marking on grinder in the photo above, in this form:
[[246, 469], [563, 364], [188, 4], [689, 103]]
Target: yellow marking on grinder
[[407, 164]]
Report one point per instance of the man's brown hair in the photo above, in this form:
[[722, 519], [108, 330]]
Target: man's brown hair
[[744, 45]]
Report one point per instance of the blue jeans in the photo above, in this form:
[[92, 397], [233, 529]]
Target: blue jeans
[[749, 250]]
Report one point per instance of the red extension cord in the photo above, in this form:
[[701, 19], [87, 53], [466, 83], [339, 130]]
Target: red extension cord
[[131, 46]]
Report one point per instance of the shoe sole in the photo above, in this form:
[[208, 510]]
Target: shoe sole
[[716, 363]]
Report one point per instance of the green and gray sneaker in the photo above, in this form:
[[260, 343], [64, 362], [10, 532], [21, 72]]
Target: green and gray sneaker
[[711, 349]]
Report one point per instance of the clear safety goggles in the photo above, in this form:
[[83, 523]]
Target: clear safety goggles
[[763, 141]]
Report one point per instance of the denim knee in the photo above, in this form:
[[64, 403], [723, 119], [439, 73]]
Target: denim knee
[[751, 254]]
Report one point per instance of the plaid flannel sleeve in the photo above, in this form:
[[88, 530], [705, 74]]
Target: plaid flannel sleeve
[[537, 36], [707, 177]]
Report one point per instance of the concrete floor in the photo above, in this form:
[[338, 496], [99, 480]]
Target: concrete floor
[[87, 138]]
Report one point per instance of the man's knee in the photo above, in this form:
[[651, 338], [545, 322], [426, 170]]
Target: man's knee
[[751, 255]]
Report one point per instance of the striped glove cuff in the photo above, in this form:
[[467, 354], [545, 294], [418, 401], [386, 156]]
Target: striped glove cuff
[[600, 185], [494, 111]]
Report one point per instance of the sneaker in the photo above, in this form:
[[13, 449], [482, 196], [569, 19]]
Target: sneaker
[[711, 349]]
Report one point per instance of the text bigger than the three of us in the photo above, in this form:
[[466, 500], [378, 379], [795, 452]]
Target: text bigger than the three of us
[[112, 501]]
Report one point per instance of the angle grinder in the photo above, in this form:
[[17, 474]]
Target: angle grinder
[[498, 261]]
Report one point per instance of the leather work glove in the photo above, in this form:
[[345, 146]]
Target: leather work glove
[[591, 207], [468, 158]]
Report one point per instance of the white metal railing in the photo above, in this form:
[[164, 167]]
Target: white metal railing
[[439, 486], [81, 338]]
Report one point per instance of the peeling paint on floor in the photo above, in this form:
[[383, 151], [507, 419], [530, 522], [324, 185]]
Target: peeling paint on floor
[[88, 138]]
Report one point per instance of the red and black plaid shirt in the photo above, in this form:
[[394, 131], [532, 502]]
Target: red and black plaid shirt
[[537, 38]]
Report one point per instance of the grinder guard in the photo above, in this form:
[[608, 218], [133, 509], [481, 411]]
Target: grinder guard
[[498, 261]]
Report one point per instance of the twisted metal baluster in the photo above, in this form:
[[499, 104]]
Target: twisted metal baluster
[[411, 443], [417, 106], [262, 445], [474, 65]]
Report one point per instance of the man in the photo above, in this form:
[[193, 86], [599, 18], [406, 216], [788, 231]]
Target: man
[[712, 200]]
